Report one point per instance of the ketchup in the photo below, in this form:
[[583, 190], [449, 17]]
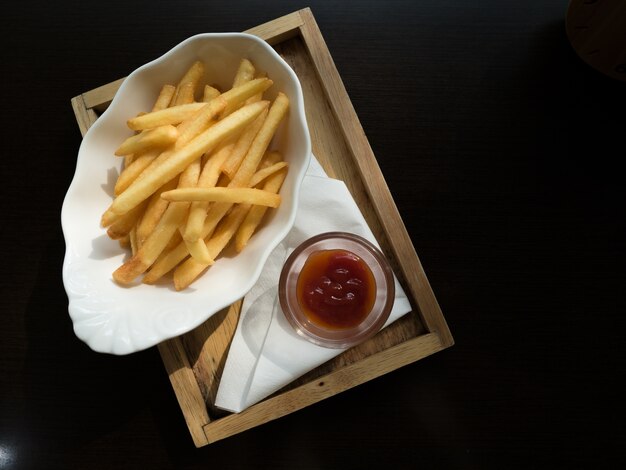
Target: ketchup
[[336, 289]]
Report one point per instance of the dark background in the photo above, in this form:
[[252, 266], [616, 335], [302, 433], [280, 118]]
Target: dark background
[[502, 150]]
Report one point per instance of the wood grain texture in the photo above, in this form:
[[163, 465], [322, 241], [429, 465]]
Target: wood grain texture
[[100, 98], [207, 349], [279, 29], [85, 116], [185, 385], [325, 387]]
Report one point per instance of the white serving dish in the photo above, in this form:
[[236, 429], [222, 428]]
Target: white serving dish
[[121, 320]]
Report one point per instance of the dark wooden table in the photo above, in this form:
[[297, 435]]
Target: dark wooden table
[[502, 150]]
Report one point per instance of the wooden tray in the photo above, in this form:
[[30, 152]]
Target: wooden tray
[[195, 360]]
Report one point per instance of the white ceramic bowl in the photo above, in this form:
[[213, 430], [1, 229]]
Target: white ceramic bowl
[[122, 320]]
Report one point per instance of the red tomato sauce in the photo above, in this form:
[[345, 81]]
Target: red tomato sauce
[[336, 289]]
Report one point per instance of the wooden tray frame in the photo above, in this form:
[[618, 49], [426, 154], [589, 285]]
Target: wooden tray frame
[[195, 360]]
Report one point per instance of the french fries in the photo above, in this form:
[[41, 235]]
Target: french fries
[[193, 180], [158, 137]]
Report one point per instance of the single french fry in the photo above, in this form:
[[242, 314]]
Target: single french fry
[[243, 145], [257, 97], [165, 97], [208, 178], [188, 271], [142, 188], [185, 94], [236, 97], [154, 211], [163, 117], [200, 121], [198, 251], [255, 214], [134, 170], [124, 224], [128, 159], [244, 74], [165, 263], [232, 195], [260, 175], [210, 93], [158, 137], [192, 76], [271, 157], [132, 238], [174, 242]]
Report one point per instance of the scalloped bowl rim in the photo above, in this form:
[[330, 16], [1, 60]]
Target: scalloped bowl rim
[[96, 340]]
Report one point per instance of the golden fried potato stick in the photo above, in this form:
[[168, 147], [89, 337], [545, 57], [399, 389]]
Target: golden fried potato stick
[[124, 224], [237, 96], [255, 215], [134, 170], [210, 93], [233, 195], [158, 137], [243, 145], [171, 115], [188, 271], [199, 121], [258, 96], [166, 262], [198, 251], [142, 188], [154, 210], [185, 94], [270, 157], [165, 97], [192, 77], [244, 74], [132, 239], [260, 175]]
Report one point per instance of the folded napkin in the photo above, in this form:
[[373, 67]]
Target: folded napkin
[[266, 353]]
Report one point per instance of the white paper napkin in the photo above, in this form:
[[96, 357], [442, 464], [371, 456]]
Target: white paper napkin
[[265, 353]]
